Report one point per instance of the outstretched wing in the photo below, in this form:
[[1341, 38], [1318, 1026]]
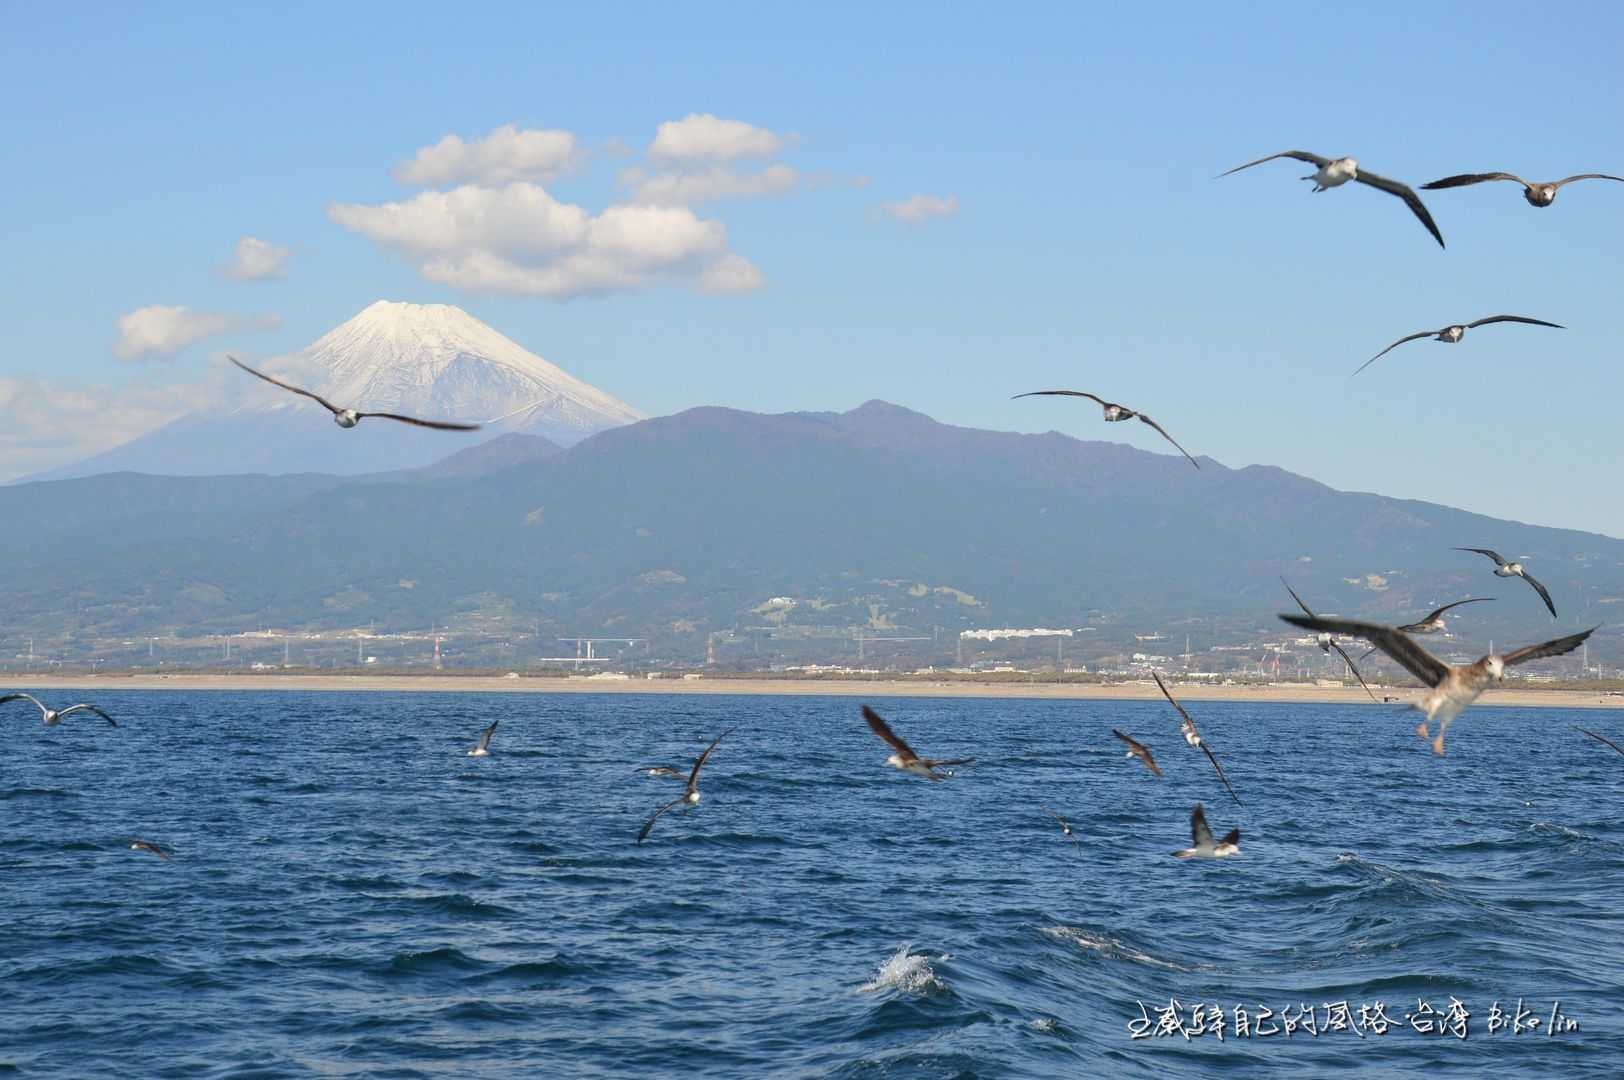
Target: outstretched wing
[[1063, 393], [1544, 594], [1456, 604], [1405, 192], [22, 697], [693, 777], [1547, 648], [1200, 835], [485, 736], [1171, 699], [88, 708], [1394, 345], [883, 730], [931, 763], [1300, 155], [1220, 769], [438, 425], [1601, 738], [1340, 651], [1414, 659], [1299, 599], [1462, 179], [1588, 176], [1491, 553], [317, 398], [1163, 433], [649, 824], [1514, 318]]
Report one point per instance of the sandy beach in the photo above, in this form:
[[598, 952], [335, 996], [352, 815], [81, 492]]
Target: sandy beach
[[1539, 698]]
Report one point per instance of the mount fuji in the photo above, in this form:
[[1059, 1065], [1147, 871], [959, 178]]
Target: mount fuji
[[430, 360]]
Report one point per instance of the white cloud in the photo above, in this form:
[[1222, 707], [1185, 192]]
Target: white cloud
[[518, 239], [255, 260], [44, 425], [703, 137], [730, 274], [921, 208], [716, 182], [160, 331], [504, 155]]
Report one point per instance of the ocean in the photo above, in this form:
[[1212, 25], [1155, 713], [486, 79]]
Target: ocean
[[351, 895]]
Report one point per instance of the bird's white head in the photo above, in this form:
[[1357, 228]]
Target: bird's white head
[[1497, 668], [1514, 568], [1454, 334], [1324, 642], [693, 796], [895, 761], [348, 418], [1347, 165]]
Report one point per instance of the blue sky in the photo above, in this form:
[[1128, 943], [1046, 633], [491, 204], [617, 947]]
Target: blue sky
[[1090, 246]]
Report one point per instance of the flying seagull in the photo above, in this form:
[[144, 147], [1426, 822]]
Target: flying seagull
[[148, 845], [1334, 172], [1454, 686], [1601, 738], [1536, 194], [1503, 568], [1192, 736], [348, 418], [1139, 750], [691, 795], [1432, 623], [904, 758], [484, 747], [1064, 827], [1449, 335], [1201, 838], [1113, 412], [1326, 642], [53, 717]]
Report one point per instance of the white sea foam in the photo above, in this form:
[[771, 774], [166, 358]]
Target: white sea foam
[[908, 972]]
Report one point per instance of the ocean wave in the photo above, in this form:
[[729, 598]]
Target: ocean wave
[[1109, 947], [907, 972]]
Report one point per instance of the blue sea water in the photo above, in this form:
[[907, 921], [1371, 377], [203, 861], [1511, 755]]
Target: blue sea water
[[351, 895]]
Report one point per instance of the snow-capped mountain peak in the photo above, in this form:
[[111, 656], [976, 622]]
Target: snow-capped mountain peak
[[438, 361]]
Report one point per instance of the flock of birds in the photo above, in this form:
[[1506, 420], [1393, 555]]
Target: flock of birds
[[1451, 687]]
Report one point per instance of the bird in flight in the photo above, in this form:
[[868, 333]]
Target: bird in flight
[[348, 418], [1064, 827], [1139, 750], [1433, 623], [664, 771], [148, 845], [1334, 172], [1202, 844], [1192, 736], [54, 717], [689, 796], [1113, 413], [1601, 738], [1502, 568], [484, 747], [1326, 642], [904, 758], [1449, 335], [1454, 686], [1537, 194]]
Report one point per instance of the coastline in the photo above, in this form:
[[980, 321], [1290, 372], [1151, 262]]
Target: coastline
[[1131, 691]]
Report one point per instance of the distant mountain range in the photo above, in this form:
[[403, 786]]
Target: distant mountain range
[[430, 360], [716, 520]]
